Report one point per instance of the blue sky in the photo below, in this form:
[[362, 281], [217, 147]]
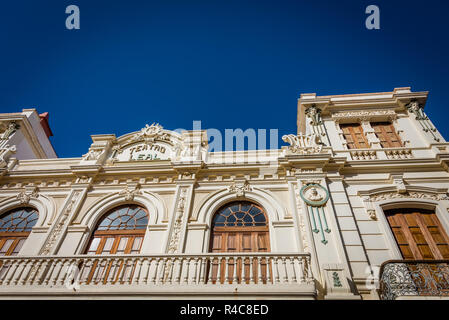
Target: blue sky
[[230, 64]]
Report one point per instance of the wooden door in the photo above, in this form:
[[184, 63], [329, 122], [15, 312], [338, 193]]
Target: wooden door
[[240, 226], [120, 232], [387, 135], [354, 136], [113, 242], [251, 241], [419, 234]]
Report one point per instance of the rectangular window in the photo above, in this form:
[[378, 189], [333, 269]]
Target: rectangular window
[[387, 135], [354, 135], [419, 234]]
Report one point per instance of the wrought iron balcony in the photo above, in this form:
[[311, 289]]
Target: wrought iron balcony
[[411, 278], [219, 274]]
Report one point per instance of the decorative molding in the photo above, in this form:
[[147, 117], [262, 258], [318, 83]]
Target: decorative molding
[[180, 208], [408, 194], [336, 278], [364, 115], [394, 154], [316, 122], [316, 196], [56, 232], [239, 188], [417, 109], [364, 155], [92, 154], [130, 191], [301, 222], [11, 127], [5, 154], [372, 214], [336, 283], [303, 144], [398, 181], [150, 133], [25, 196]]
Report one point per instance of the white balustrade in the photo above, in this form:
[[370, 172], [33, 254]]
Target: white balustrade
[[212, 269]]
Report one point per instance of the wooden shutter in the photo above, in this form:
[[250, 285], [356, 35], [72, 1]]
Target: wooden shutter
[[387, 135], [354, 136], [419, 234]]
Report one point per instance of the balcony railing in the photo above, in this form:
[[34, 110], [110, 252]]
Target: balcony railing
[[223, 272], [411, 278]]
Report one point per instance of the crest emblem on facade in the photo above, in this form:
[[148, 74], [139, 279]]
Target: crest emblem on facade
[[149, 133], [314, 195]]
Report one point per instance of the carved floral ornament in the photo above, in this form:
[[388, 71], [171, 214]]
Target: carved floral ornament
[[364, 115], [25, 196], [130, 191], [8, 130], [409, 194], [369, 200], [239, 188], [5, 154], [303, 144], [151, 133]]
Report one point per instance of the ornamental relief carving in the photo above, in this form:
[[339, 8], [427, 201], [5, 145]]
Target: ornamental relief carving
[[5, 154], [174, 240], [364, 115], [25, 196], [303, 144], [130, 191], [8, 130], [301, 222], [52, 239], [150, 134], [239, 188], [410, 194]]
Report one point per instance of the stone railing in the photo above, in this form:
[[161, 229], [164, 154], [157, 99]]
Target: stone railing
[[139, 273], [408, 279], [400, 153], [364, 155]]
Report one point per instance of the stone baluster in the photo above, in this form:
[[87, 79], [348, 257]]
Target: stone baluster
[[162, 270], [251, 270], [26, 272], [235, 279], [11, 270], [286, 275], [276, 270], [211, 267], [187, 270], [195, 272], [259, 270], [203, 268]]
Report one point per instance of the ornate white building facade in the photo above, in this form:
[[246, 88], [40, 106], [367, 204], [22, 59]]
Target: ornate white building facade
[[154, 214]]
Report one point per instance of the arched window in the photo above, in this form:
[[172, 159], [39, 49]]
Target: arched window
[[240, 214], [120, 231], [15, 226], [240, 226]]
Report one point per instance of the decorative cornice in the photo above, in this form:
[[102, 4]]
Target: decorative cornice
[[406, 195], [363, 115]]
